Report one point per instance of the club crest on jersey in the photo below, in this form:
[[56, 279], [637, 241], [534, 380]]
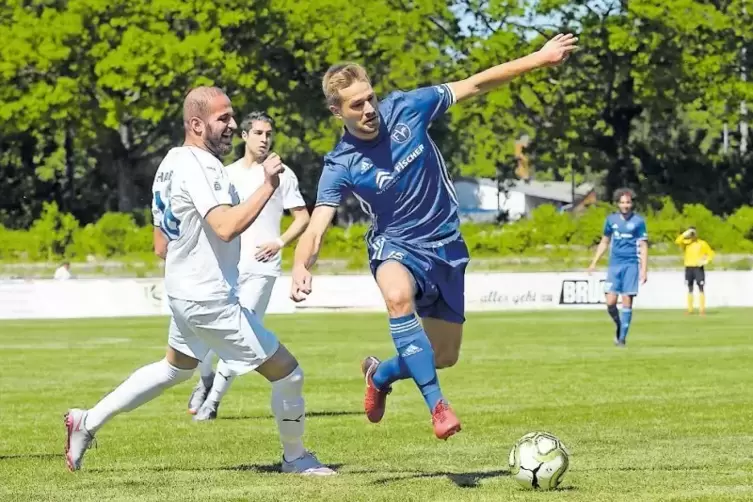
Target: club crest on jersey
[[217, 186], [401, 133], [630, 226]]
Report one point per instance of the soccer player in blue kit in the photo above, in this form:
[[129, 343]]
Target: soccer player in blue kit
[[628, 260], [388, 161]]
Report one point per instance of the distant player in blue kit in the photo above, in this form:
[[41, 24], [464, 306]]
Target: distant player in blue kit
[[626, 235], [387, 160]]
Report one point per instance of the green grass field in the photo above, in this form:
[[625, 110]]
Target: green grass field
[[669, 418]]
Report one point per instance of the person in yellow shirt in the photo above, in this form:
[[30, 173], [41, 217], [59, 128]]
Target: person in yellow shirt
[[697, 254]]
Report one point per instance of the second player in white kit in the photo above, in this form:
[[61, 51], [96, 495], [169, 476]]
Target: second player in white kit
[[261, 244], [198, 217]]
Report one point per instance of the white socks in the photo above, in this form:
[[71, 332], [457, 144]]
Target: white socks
[[205, 368], [142, 386], [222, 380], [288, 408], [150, 381]]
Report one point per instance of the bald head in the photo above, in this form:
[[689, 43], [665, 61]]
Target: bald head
[[197, 102], [208, 120]]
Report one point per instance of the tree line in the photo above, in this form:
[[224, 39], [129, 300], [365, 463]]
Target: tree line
[[91, 90]]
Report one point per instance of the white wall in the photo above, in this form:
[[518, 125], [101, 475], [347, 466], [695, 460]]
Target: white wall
[[484, 292]]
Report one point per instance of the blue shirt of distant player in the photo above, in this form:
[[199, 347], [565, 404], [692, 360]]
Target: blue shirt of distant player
[[625, 235], [399, 177]]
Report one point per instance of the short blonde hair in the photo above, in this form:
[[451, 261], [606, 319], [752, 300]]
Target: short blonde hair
[[341, 76]]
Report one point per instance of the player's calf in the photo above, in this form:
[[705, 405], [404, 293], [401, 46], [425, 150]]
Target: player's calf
[[288, 407], [614, 313], [446, 338]]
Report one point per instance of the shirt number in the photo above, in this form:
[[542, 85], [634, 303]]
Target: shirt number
[[170, 225]]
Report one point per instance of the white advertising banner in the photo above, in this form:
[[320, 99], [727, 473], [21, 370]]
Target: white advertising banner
[[49, 299]]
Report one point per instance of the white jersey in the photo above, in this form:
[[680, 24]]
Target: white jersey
[[199, 265], [266, 227], [62, 274]]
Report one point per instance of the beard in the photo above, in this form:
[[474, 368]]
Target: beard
[[219, 141]]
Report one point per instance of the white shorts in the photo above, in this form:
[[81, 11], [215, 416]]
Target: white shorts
[[227, 328], [254, 292]]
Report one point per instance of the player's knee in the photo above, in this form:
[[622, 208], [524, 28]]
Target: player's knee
[[700, 287], [399, 301], [174, 374], [295, 377], [290, 385], [279, 366], [180, 360]]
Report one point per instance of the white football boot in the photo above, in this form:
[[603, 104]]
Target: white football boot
[[79, 439]]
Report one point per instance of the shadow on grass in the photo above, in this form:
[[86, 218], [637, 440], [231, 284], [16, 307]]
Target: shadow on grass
[[309, 414], [267, 468], [35, 456], [461, 479], [275, 468], [668, 468]]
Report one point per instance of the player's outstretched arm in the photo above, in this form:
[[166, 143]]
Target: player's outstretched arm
[[554, 52], [600, 250], [307, 250], [228, 222]]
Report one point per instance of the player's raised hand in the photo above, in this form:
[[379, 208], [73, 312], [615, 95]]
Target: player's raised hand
[[301, 284], [557, 50], [272, 168]]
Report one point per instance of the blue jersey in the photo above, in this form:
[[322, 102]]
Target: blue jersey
[[625, 236], [400, 178]]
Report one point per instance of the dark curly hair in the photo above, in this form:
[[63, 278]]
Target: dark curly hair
[[623, 191]]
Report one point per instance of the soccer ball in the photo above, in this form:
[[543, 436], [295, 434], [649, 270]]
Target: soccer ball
[[539, 460]]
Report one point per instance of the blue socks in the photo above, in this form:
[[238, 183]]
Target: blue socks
[[415, 360], [390, 371], [627, 316]]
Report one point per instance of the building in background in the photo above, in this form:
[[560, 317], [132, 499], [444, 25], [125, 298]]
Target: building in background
[[483, 199]]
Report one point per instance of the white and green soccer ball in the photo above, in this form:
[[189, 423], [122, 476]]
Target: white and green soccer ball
[[539, 460]]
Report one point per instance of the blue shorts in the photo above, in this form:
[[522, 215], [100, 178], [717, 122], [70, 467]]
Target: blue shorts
[[439, 274], [623, 279]]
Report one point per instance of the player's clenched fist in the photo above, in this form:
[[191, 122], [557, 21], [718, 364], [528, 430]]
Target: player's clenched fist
[[272, 168], [301, 286]]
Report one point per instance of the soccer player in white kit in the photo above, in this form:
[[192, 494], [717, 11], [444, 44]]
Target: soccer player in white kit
[[198, 211], [261, 245]]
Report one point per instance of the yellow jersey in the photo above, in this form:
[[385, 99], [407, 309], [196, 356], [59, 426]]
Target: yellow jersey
[[697, 251]]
